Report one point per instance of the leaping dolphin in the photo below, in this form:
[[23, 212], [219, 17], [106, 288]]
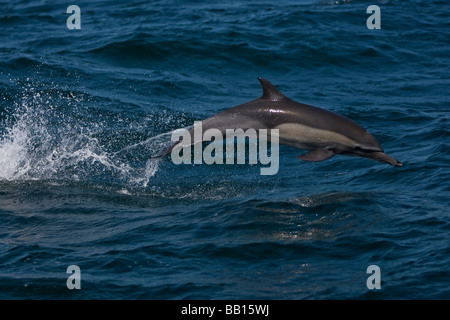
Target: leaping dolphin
[[321, 132]]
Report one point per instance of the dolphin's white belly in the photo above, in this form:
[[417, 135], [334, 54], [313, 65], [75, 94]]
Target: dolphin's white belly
[[307, 137]]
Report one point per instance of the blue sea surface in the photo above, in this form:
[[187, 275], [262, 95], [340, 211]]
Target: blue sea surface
[[82, 111]]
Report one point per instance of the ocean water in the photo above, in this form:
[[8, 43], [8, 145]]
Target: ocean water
[[82, 111]]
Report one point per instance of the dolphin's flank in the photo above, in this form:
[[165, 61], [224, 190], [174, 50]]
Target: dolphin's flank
[[323, 133]]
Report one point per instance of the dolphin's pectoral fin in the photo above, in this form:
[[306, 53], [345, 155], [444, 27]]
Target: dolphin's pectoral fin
[[318, 154]]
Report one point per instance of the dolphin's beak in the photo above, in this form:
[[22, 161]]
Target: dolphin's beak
[[375, 155]]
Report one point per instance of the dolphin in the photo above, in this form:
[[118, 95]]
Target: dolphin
[[321, 132]]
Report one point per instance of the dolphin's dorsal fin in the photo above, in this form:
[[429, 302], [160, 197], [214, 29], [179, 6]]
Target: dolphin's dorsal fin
[[269, 91]]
